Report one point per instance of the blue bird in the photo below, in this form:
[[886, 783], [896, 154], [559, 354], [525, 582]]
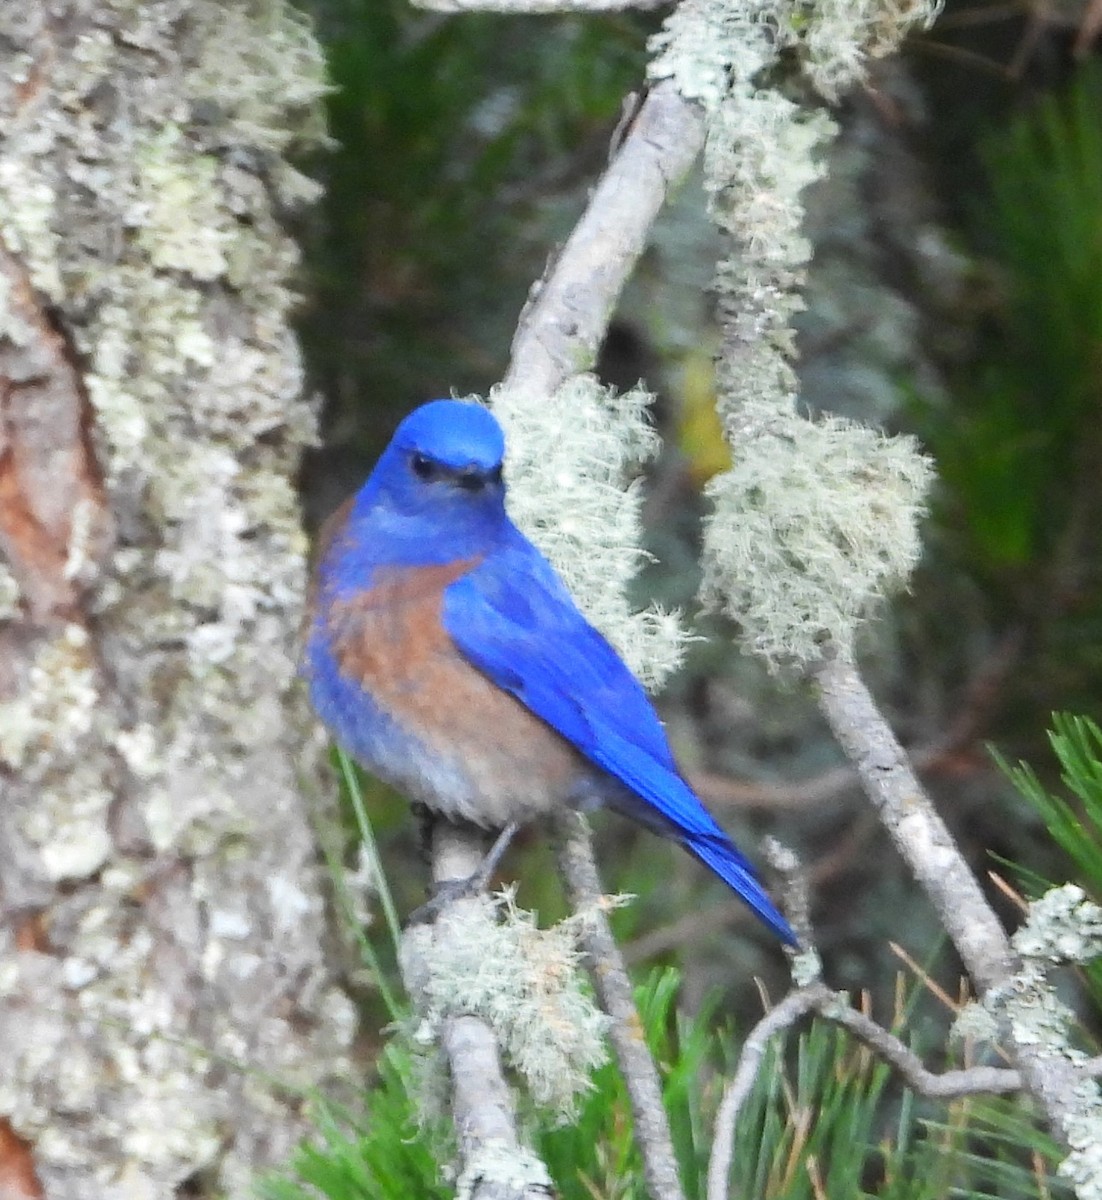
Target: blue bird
[[445, 654]]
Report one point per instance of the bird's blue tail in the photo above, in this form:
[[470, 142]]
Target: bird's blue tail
[[720, 855]]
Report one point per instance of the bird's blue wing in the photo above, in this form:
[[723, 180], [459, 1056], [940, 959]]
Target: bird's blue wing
[[513, 619]]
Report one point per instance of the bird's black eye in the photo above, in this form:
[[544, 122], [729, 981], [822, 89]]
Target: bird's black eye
[[495, 475], [424, 467]]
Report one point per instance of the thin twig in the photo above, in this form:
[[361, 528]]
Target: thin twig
[[946, 1085], [610, 978], [835, 1008], [790, 1010], [794, 893]]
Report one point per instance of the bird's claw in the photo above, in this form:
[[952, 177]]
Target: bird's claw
[[447, 891]]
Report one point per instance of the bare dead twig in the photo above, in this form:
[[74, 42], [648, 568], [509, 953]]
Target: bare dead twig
[[834, 1007]]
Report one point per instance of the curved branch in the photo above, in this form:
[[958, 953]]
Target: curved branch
[[790, 1010], [833, 1007], [568, 311]]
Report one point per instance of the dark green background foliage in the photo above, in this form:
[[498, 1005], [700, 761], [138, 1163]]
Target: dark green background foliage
[[463, 150]]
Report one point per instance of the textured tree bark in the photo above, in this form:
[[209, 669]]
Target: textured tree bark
[[164, 998]]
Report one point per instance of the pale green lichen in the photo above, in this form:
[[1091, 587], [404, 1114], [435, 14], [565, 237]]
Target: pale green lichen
[[265, 71], [815, 521], [56, 708], [975, 1023], [491, 960], [573, 463], [180, 216], [762, 149], [71, 831], [1063, 927], [27, 225], [835, 39]]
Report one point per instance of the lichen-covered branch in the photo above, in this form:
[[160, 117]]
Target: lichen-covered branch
[[494, 1164], [490, 990], [1034, 1018], [161, 913], [818, 519]]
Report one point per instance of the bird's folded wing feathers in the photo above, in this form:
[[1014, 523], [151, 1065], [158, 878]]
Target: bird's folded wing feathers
[[514, 621]]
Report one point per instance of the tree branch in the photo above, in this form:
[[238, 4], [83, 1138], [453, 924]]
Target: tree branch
[[567, 315], [494, 1164], [794, 1006], [921, 837], [558, 335], [610, 978]]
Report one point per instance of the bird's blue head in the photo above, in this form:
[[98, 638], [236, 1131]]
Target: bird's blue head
[[438, 486], [453, 444]]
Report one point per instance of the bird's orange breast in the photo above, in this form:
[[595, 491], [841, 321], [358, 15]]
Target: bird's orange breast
[[390, 640]]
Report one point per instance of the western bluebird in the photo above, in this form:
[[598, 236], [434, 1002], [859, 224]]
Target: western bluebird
[[446, 655]]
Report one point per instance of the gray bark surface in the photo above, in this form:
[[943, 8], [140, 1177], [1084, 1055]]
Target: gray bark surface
[[165, 1001]]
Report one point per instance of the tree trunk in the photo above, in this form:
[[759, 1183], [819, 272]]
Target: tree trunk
[[164, 998]]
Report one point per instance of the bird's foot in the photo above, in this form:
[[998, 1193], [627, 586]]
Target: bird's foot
[[447, 891]]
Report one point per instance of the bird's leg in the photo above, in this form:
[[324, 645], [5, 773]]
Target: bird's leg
[[447, 890], [494, 855]]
